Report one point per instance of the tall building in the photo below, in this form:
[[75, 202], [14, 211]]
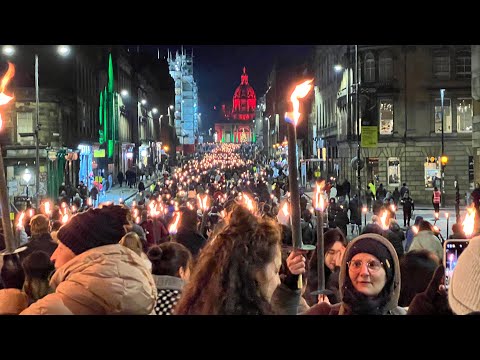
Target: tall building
[[186, 100], [239, 121], [412, 105]]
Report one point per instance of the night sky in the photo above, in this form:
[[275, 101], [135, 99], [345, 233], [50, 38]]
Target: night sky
[[217, 70]]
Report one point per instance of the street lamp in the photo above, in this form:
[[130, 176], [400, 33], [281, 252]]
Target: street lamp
[[443, 158], [8, 50], [27, 176]]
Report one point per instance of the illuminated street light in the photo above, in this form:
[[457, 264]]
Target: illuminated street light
[[27, 176], [8, 50], [338, 67], [63, 50], [154, 110], [124, 93], [143, 101]]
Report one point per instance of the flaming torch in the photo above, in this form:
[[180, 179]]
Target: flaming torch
[[469, 221], [7, 224], [320, 207], [301, 90], [203, 205], [173, 227]]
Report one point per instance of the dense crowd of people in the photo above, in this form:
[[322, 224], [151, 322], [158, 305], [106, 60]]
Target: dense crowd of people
[[213, 237]]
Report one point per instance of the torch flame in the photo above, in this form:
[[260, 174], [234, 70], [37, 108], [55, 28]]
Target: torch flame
[[48, 211], [469, 221], [301, 90], [285, 209], [172, 229], [383, 219], [65, 218], [20, 220], [4, 98], [319, 200]]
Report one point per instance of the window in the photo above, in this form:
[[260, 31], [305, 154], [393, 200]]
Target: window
[[385, 67], [432, 173], [24, 125], [386, 117], [464, 115], [463, 64], [393, 171], [369, 68], [447, 116], [441, 66]]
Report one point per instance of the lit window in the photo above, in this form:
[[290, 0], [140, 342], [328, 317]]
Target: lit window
[[386, 117], [447, 116], [464, 115]]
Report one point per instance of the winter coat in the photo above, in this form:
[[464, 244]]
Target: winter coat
[[396, 236], [12, 301], [106, 280], [426, 240], [43, 242], [390, 308]]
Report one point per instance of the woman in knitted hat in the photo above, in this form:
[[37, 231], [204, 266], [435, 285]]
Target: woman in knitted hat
[[369, 280], [95, 275]]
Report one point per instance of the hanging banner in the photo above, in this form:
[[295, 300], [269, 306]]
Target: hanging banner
[[369, 136]]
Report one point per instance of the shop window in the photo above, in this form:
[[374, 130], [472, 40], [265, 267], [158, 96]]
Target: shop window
[[386, 117], [464, 115], [393, 171], [447, 116]]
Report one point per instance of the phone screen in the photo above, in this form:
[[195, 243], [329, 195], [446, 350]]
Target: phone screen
[[453, 249]]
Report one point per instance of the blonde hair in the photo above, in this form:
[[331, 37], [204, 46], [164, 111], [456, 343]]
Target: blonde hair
[[39, 224], [133, 242]]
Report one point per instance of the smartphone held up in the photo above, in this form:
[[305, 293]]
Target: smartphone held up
[[451, 252]]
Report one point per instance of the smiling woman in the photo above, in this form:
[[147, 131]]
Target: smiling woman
[[369, 280]]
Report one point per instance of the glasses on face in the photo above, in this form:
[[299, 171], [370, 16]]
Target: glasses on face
[[372, 265]]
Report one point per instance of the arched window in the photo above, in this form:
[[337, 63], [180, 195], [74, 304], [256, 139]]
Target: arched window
[[385, 67], [369, 68]]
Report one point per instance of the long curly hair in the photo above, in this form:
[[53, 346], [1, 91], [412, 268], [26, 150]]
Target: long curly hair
[[223, 281]]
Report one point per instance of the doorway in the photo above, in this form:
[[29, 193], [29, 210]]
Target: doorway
[[372, 171]]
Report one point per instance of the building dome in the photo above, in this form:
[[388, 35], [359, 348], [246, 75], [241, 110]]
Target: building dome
[[244, 100]]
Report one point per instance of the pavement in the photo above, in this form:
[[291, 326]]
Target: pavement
[[124, 193]]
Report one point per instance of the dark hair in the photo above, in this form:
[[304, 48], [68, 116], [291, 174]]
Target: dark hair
[[224, 279], [12, 272], [38, 265], [56, 225], [167, 258], [425, 225], [189, 219], [416, 268]]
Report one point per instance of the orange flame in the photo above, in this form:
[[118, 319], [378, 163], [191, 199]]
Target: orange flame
[[48, 211], [4, 98], [469, 221], [285, 209], [172, 229], [415, 229], [20, 220], [319, 200], [383, 219], [301, 90], [65, 219], [203, 203]]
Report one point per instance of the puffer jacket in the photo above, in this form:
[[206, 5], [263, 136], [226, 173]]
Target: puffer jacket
[[425, 239], [12, 301], [105, 280]]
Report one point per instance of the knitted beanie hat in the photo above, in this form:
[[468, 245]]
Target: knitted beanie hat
[[93, 228], [464, 288]]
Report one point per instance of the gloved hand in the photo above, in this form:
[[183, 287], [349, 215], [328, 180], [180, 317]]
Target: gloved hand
[[434, 300]]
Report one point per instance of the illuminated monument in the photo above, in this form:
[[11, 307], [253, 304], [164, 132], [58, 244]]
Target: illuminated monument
[[238, 126]]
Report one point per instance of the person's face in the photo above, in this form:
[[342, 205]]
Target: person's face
[[269, 277], [333, 257], [368, 280], [61, 255]]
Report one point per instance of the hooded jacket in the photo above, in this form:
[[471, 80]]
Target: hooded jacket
[[390, 308], [105, 280]]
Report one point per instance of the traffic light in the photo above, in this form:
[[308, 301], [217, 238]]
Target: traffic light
[[444, 160]]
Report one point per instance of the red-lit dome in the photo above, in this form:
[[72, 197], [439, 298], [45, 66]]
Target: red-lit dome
[[244, 100]]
